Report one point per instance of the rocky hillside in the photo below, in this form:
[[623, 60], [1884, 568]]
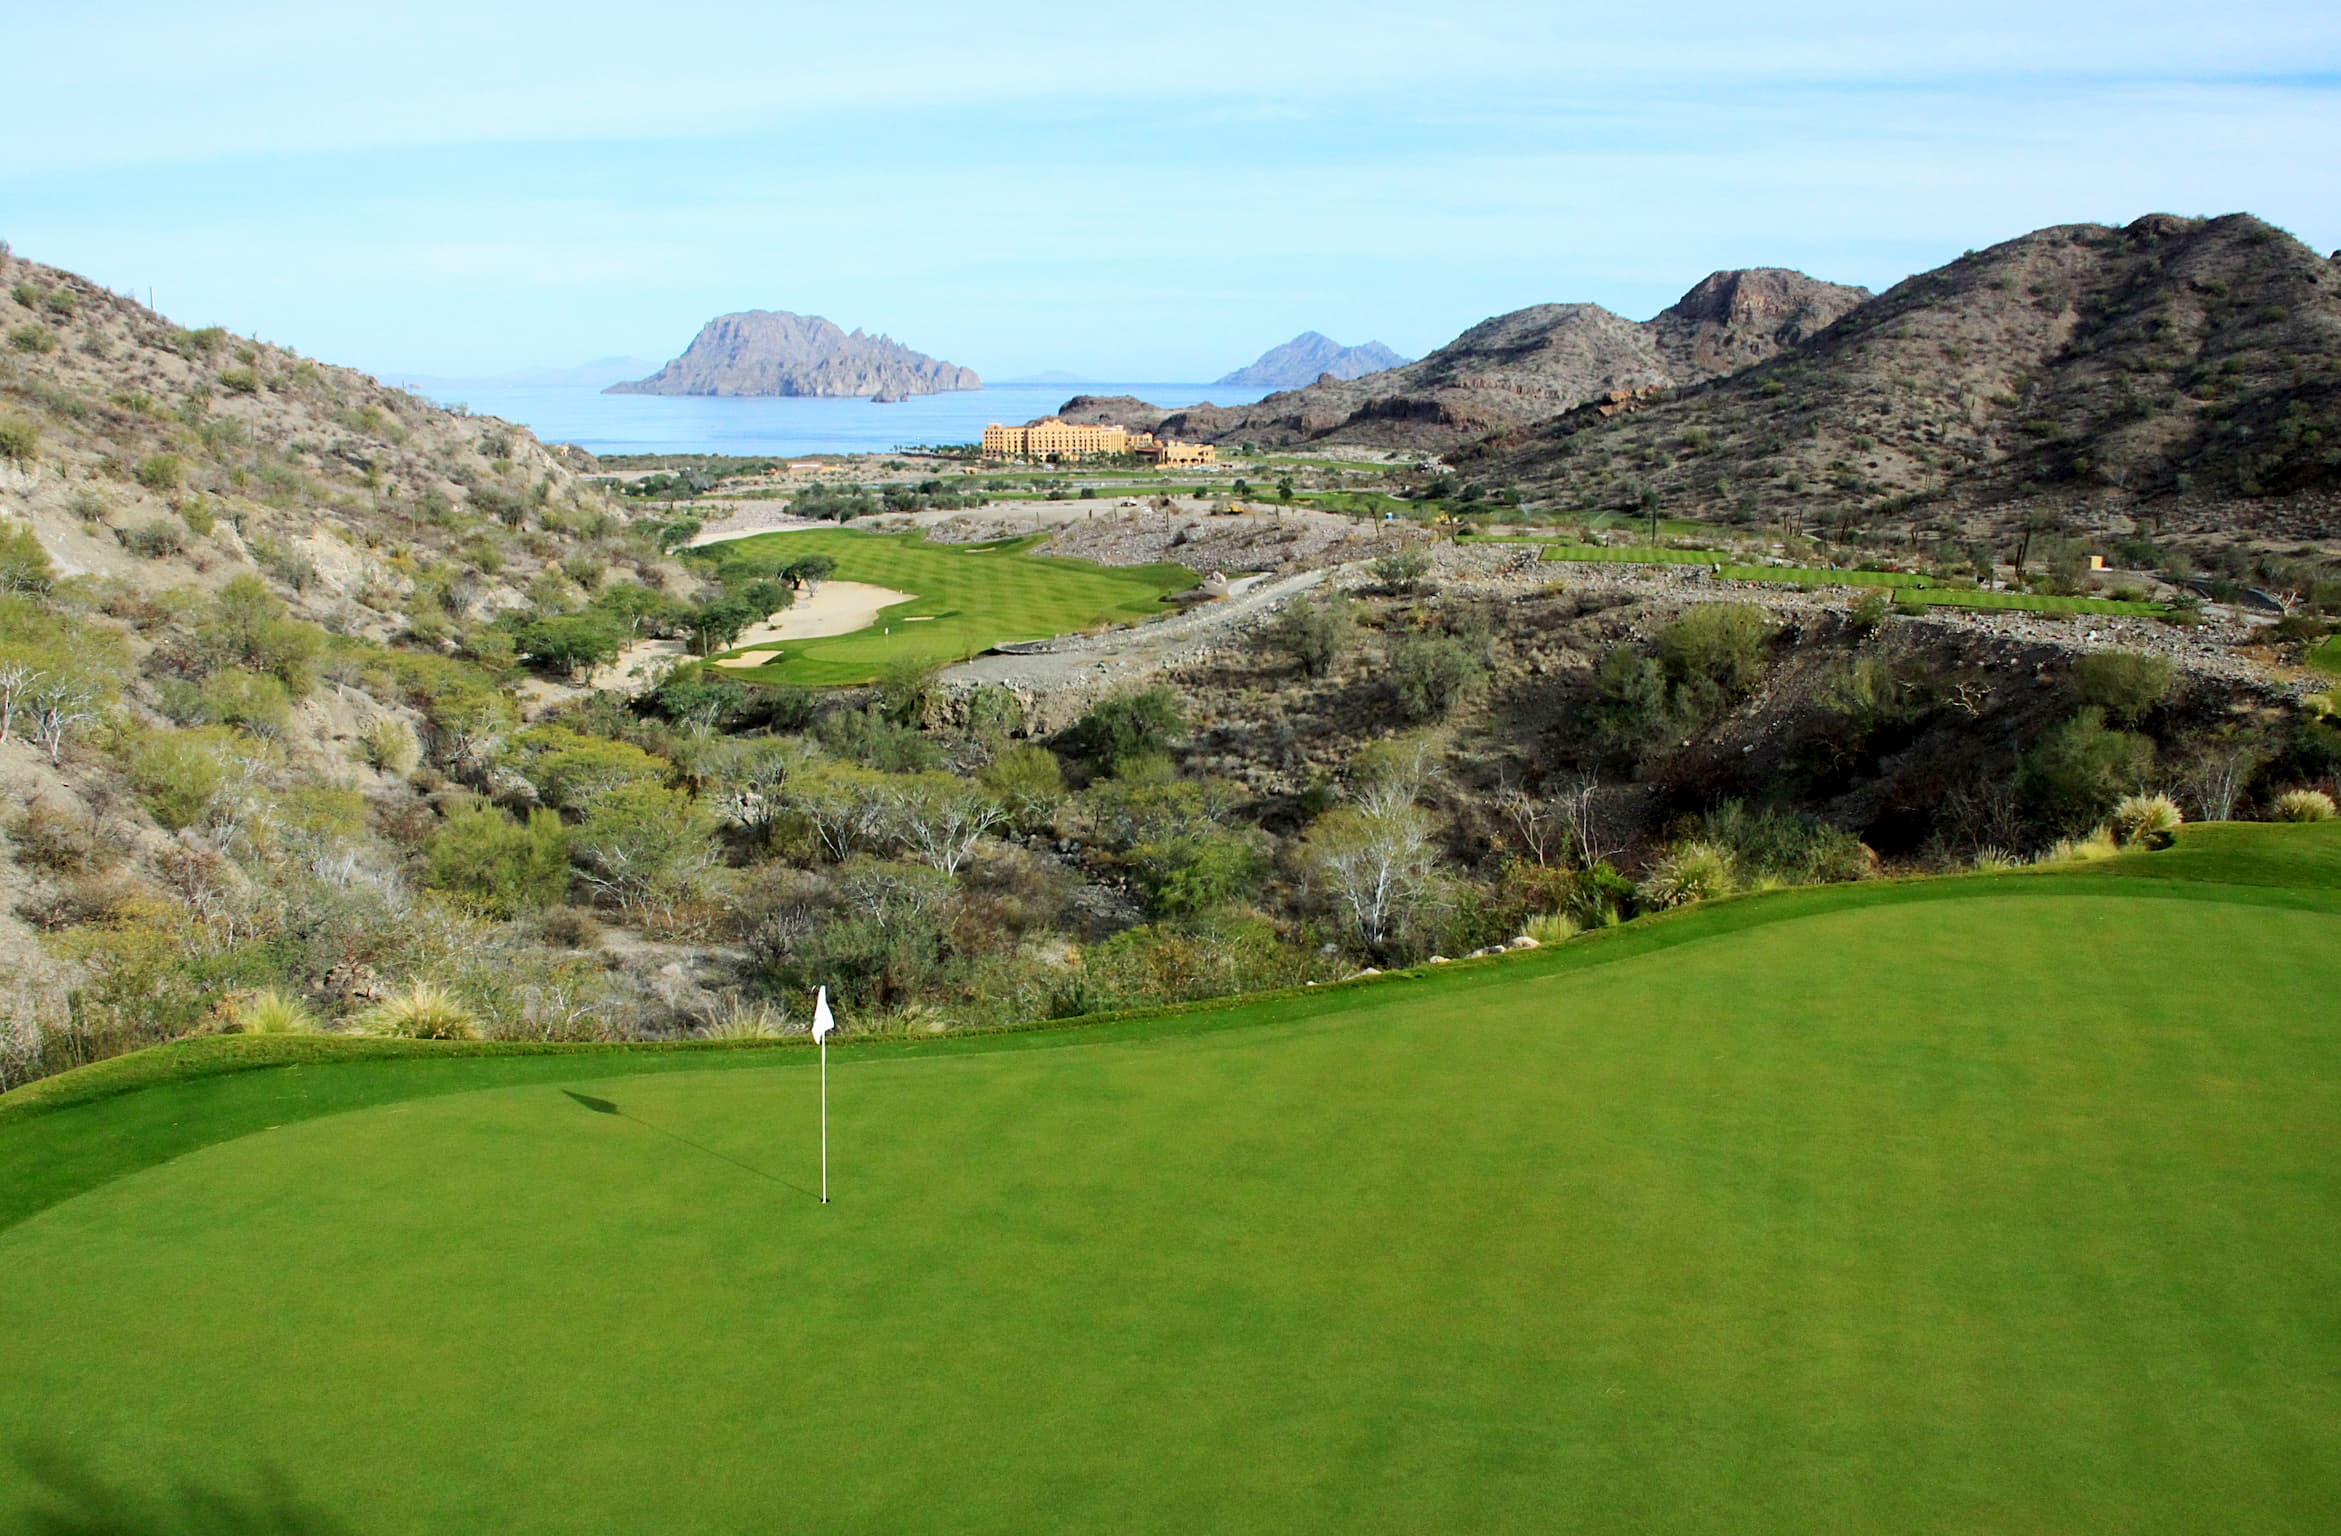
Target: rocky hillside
[[260, 593], [1309, 357], [772, 352], [2184, 360], [1533, 364]]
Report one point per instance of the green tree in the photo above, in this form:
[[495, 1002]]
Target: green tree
[[2127, 685], [502, 866], [1430, 674], [573, 645], [1314, 634], [1130, 726], [2079, 770], [643, 844]]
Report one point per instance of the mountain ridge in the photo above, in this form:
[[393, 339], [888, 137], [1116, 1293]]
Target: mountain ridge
[[1532, 364], [766, 352], [1308, 357]]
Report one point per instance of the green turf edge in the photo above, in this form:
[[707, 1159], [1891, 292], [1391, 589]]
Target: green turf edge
[[226, 1087]]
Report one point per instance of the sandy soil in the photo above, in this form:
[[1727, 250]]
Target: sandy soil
[[832, 608]]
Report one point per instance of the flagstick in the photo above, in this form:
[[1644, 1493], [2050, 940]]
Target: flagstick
[[824, 1120]]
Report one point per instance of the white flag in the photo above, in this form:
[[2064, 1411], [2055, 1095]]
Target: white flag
[[822, 1022]]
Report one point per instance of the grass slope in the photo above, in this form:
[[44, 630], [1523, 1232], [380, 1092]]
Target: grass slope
[[970, 597], [1981, 1204]]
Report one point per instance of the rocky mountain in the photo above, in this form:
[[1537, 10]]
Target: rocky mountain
[[1310, 356], [1533, 364], [2184, 357], [772, 352]]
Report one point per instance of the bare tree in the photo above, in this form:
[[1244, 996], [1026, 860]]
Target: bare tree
[[941, 822], [57, 706], [2217, 782], [1533, 826], [1379, 870], [1579, 808], [17, 681]]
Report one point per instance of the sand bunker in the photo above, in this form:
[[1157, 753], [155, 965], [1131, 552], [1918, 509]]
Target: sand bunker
[[832, 608]]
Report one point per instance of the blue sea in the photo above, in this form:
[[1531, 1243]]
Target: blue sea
[[603, 423]]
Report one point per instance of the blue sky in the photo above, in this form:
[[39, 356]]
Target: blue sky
[[450, 189]]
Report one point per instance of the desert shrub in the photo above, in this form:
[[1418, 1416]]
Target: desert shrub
[[1185, 875], [20, 440], [2302, 805], [154, 539], [2127, 685], [643, 844], [2149, 821], [905, 686], [501, 866], [240, 381], [1430, 674], [254, 702], [246, 625], [867, 737], [1714, 656], [32, 338], [424, 1011], [179, 776], [1786, 846], [1402, 570], [1314, 634], [1130, 726], [570, 769], [160, 471], [1028, 782], [2073, 777], [1686, 873], [268, 1012], [993, 716], [1629, 701], [60, 842], [24, 564], [386, 745], [572, 645]]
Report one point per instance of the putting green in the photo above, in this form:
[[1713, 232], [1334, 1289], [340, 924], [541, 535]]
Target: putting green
[[971, 597], [2004, 1203]]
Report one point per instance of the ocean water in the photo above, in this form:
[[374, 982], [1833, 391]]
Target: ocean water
[[603, 423]]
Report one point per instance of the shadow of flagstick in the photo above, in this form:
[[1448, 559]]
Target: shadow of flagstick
[[605, 1107]]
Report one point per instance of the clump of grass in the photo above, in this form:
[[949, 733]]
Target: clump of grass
[[740, 1020], [270, 1013], [20, 440], [1994, 861], [1685, 873], [2149, 821], [424, 1011], [2096, 844], [1552, 928], [2302, 805]]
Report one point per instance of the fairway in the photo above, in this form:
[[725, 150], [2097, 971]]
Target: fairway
[[970, 597], [2002, 1203]]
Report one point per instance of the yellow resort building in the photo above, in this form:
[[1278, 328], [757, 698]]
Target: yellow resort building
[[1052, 437]]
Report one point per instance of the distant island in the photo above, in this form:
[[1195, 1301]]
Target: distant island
[[1309, 356], [773, 352]]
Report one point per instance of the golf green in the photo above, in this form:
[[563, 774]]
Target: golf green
[[969, 598], [1999, 1203]]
